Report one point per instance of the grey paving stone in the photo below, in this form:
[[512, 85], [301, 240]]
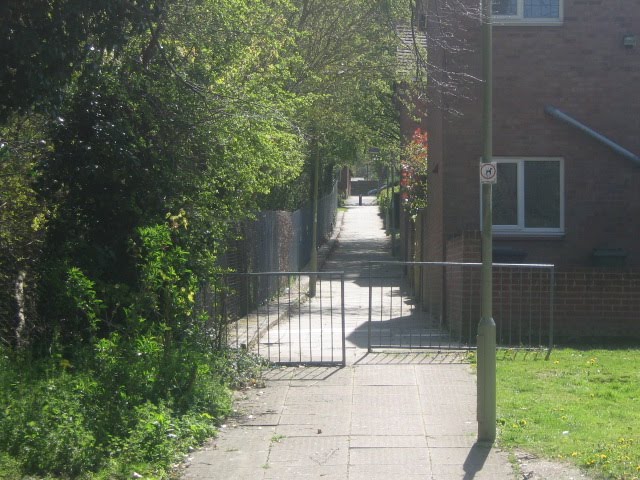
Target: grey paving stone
[[388, 441], [386, 416], [451, 441], [311, 451], [382, 375], [373, 391], [486, 472], [324, 472], [312, 429], [329, 408], [366, 424], [417, 457], [212, 472], [388, 472], [387, 404]]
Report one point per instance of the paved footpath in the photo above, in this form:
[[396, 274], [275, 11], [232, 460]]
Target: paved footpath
[[384, 416]]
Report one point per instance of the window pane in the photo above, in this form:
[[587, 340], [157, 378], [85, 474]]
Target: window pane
[[505, 7], [541, 194], [541, 8], [505, 195]]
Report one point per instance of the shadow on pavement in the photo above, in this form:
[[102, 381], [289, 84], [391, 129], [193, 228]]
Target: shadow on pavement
[[311, 374], [413, 358], [476, 459]]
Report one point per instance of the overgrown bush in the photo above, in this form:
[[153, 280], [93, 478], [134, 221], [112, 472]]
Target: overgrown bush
[[415, 163], [385, 200], [123, 399], [57, 420]]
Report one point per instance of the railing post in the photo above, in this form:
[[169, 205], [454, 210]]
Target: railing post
[[552, 299], [344, 339], [370, 307]]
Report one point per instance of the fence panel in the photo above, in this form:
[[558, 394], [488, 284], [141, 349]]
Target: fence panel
[[281, 240], [448, 310], [272, 315]]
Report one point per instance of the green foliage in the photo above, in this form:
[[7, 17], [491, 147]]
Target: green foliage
[[385, 199], [415, 173], [44, 423], [199, 128], [241, 369], [45, 42], [81, 292], [579, 406], [345, 74], [133, 136], [22, 221], [60, 419], [201, 107]]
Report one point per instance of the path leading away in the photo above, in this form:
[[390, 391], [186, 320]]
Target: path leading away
[[384, 416]]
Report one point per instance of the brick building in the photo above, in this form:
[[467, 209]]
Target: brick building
[[563, 196]]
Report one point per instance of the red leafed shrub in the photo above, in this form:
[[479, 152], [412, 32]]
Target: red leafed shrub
[[414, 173]]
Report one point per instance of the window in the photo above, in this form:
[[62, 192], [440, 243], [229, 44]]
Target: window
[[528, 197], [528, 11]]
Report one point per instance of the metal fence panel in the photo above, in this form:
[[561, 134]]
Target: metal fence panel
[[437, 305], [286, 326], [280, 240]]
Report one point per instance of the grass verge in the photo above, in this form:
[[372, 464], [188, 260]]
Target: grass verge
[[581, 406]]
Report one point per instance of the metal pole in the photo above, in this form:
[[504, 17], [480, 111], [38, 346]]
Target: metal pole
[[370, 307], [487, 327], [552, 288], [393, 210], [344, 323], [313, 263]]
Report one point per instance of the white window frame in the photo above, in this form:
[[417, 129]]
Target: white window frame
[[520, 229], [519, 18]]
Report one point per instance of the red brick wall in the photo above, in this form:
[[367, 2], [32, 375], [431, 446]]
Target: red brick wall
[[580, 67], [462, 302], [597, 303], [588, 302]]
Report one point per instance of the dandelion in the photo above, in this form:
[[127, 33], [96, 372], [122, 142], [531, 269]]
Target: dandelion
[[603, 456], [574, 454], [557, 362]]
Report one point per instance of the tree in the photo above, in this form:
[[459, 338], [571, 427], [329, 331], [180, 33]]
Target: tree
[[183, 113], [346, 74], [439, 37], [188, 112], [45, 42]]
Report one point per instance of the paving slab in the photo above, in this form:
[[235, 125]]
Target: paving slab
[[386, 415]]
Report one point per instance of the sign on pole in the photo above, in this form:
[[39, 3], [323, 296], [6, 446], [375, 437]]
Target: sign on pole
[[488, 172]]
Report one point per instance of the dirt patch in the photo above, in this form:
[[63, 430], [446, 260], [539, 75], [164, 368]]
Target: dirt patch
[[532, 467]]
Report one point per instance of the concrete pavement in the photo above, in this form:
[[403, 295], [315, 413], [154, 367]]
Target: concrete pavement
[[384, 416]]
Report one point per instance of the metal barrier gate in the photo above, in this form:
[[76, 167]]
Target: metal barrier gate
[[273, 315], [436, 305]]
